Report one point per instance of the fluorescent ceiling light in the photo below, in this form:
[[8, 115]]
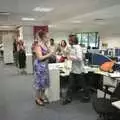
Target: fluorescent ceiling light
[[51, 26], [5, 26], [42, 9], [76, 21], [28, 19], [100, 23]]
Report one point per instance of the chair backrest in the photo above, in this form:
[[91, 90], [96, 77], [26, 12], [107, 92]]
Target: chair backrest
[[116, 93]]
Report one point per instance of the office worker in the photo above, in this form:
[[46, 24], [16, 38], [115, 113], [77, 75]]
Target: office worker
[[76, 76], [52, 47], [15, 51], [64, 48], [52, 44], [41, 68], [63, 51], [22, 57]]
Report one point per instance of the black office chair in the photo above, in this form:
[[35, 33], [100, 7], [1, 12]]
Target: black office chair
[[104, 106]]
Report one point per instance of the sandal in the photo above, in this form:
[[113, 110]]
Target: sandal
[[39, 102], [45, 100]]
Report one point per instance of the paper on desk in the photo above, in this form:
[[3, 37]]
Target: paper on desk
[[116, 104], [115, 74]]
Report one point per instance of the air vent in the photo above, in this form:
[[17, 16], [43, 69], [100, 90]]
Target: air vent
[[98, 19]]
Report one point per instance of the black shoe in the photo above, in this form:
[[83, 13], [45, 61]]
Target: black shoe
[[66, 101]]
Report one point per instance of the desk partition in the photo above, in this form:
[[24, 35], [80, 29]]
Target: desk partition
[[98, 59]]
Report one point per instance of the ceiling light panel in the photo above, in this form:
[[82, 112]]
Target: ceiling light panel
[[43, 9], [5, 26], [51, 26], [28, 19], [76, 21]]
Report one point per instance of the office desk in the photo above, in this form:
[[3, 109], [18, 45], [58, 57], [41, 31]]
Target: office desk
[[66, 69], [116, 104], [107, 74], [108, 79]]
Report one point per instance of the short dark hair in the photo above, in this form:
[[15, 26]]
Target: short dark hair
[[52, 39]]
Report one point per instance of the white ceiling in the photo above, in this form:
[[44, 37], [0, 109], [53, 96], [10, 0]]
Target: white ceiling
[[64, 12]]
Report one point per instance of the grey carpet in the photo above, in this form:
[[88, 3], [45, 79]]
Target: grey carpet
[[17, 102]]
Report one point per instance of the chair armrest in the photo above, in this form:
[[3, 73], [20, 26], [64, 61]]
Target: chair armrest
[[113, 99]]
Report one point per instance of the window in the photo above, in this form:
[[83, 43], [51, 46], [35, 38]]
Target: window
[[85, 39], [79, 37], [92, 39], [89, 39]]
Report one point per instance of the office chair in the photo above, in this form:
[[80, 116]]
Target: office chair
[[103, 106]]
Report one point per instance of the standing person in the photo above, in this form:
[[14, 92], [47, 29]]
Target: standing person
[[22, 57], [63, 48], [63, 51], [52, 47], [76, 76], [41, 68], [52, 44], [15, 51]]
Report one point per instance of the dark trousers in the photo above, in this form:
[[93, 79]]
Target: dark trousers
[[75, 81], [22, 59], [15, 54]]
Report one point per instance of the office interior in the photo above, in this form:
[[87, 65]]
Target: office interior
[[96, 25]]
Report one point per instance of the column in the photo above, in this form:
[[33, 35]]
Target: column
[[28, 39], [8, 47]]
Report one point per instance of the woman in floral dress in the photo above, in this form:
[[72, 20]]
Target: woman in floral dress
[[41, 68]]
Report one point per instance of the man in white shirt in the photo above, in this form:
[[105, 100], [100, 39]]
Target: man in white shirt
[[76, 76]]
